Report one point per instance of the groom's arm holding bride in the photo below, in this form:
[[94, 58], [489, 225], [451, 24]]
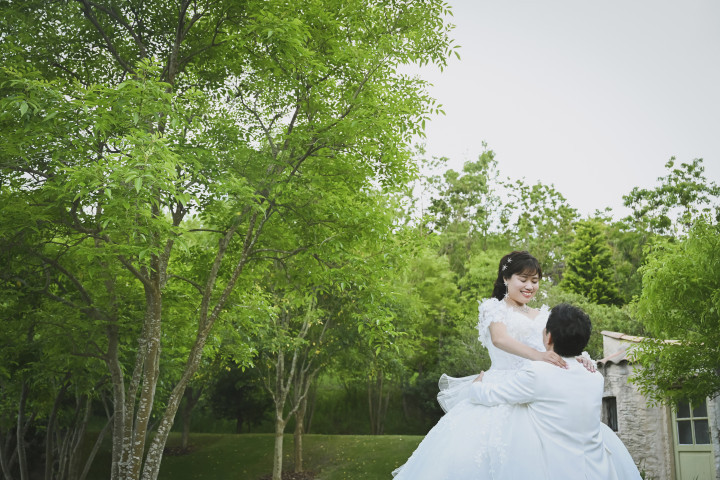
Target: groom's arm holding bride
[[520, 388]]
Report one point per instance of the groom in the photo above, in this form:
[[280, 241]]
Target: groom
[[563, 404]]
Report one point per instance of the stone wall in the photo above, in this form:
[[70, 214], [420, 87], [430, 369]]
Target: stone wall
[[645, 431], [714, 420]]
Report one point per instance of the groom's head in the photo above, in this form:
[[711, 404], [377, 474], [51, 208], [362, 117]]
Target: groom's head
[[567, 330]]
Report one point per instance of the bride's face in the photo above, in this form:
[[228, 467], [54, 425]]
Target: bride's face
[[522, 287]]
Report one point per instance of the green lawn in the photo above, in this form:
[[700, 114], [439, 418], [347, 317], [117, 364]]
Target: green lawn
[[249, 456]]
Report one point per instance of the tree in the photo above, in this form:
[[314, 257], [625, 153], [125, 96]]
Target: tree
[[238, 394], [628, 245], [683, 196], [120, 122], [464, 207], [680, 303], [540, 221], [50, 376], [467, 197], [289, 360], [589, 269], [311, 293]]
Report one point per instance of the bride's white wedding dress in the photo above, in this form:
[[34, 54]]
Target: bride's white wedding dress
[[476, 442]]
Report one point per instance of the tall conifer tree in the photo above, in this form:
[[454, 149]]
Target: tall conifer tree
[[589, 268]]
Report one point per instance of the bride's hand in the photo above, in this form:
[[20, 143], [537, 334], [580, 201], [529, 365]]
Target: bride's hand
[[479, 377], [553, 358], [587, 363]]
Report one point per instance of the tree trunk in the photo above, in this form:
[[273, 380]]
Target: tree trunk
[[378, 404], [119, 414], [153, 458], [207, 319], [238, 422], [65, 439], [311, 410], [298, 434], [383, 413], [191, 399], [378, 409], [278, 456], [150, 377], [5, 454], [298, 379], [50, 432], [371, 410], [93, 452], [76, 440], [185, 439], [20, 434]]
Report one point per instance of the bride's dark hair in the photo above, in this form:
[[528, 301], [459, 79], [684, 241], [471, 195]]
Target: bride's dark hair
[[512, 263]]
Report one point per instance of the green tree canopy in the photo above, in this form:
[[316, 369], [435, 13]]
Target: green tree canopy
[[132, 128], [683, 195], [589, 269], [539, 220], [680, 301]]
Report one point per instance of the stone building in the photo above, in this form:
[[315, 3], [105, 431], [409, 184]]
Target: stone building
[[666, 444]]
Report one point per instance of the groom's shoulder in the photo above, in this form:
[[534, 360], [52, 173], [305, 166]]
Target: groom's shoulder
[[539, 367], [576, 369]]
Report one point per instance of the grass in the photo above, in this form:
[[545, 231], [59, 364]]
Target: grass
[[249, 456]]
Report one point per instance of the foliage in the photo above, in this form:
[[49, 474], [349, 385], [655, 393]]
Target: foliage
[[49, 374], [539, 220], [464, 207], [237, 394], [157, 159], [375, 357], [589, 269], [474, 210], [467, 197], [481, 272], [683, 196], [628, 255], [681, 301]]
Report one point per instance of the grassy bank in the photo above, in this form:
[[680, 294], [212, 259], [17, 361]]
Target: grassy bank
[[249, 456]]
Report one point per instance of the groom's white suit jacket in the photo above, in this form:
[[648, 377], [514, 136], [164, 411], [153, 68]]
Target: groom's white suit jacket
[[564, 406]]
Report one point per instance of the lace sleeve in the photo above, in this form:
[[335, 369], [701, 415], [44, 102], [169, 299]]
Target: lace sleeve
[[490, 311]]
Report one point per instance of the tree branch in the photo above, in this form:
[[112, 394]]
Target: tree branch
[[137, 273], [89, 15], [83, 293], [113, 14], [265, 129], [191, 282]]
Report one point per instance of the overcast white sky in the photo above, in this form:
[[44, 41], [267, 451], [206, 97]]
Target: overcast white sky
[[591, 96]]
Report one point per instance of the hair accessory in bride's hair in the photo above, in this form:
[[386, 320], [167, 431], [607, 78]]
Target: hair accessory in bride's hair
[[504, 267]]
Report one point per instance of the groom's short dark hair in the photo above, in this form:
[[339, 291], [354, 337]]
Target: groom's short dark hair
[[570, 328]]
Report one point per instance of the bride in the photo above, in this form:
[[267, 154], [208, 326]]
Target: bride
[[474, 441]]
